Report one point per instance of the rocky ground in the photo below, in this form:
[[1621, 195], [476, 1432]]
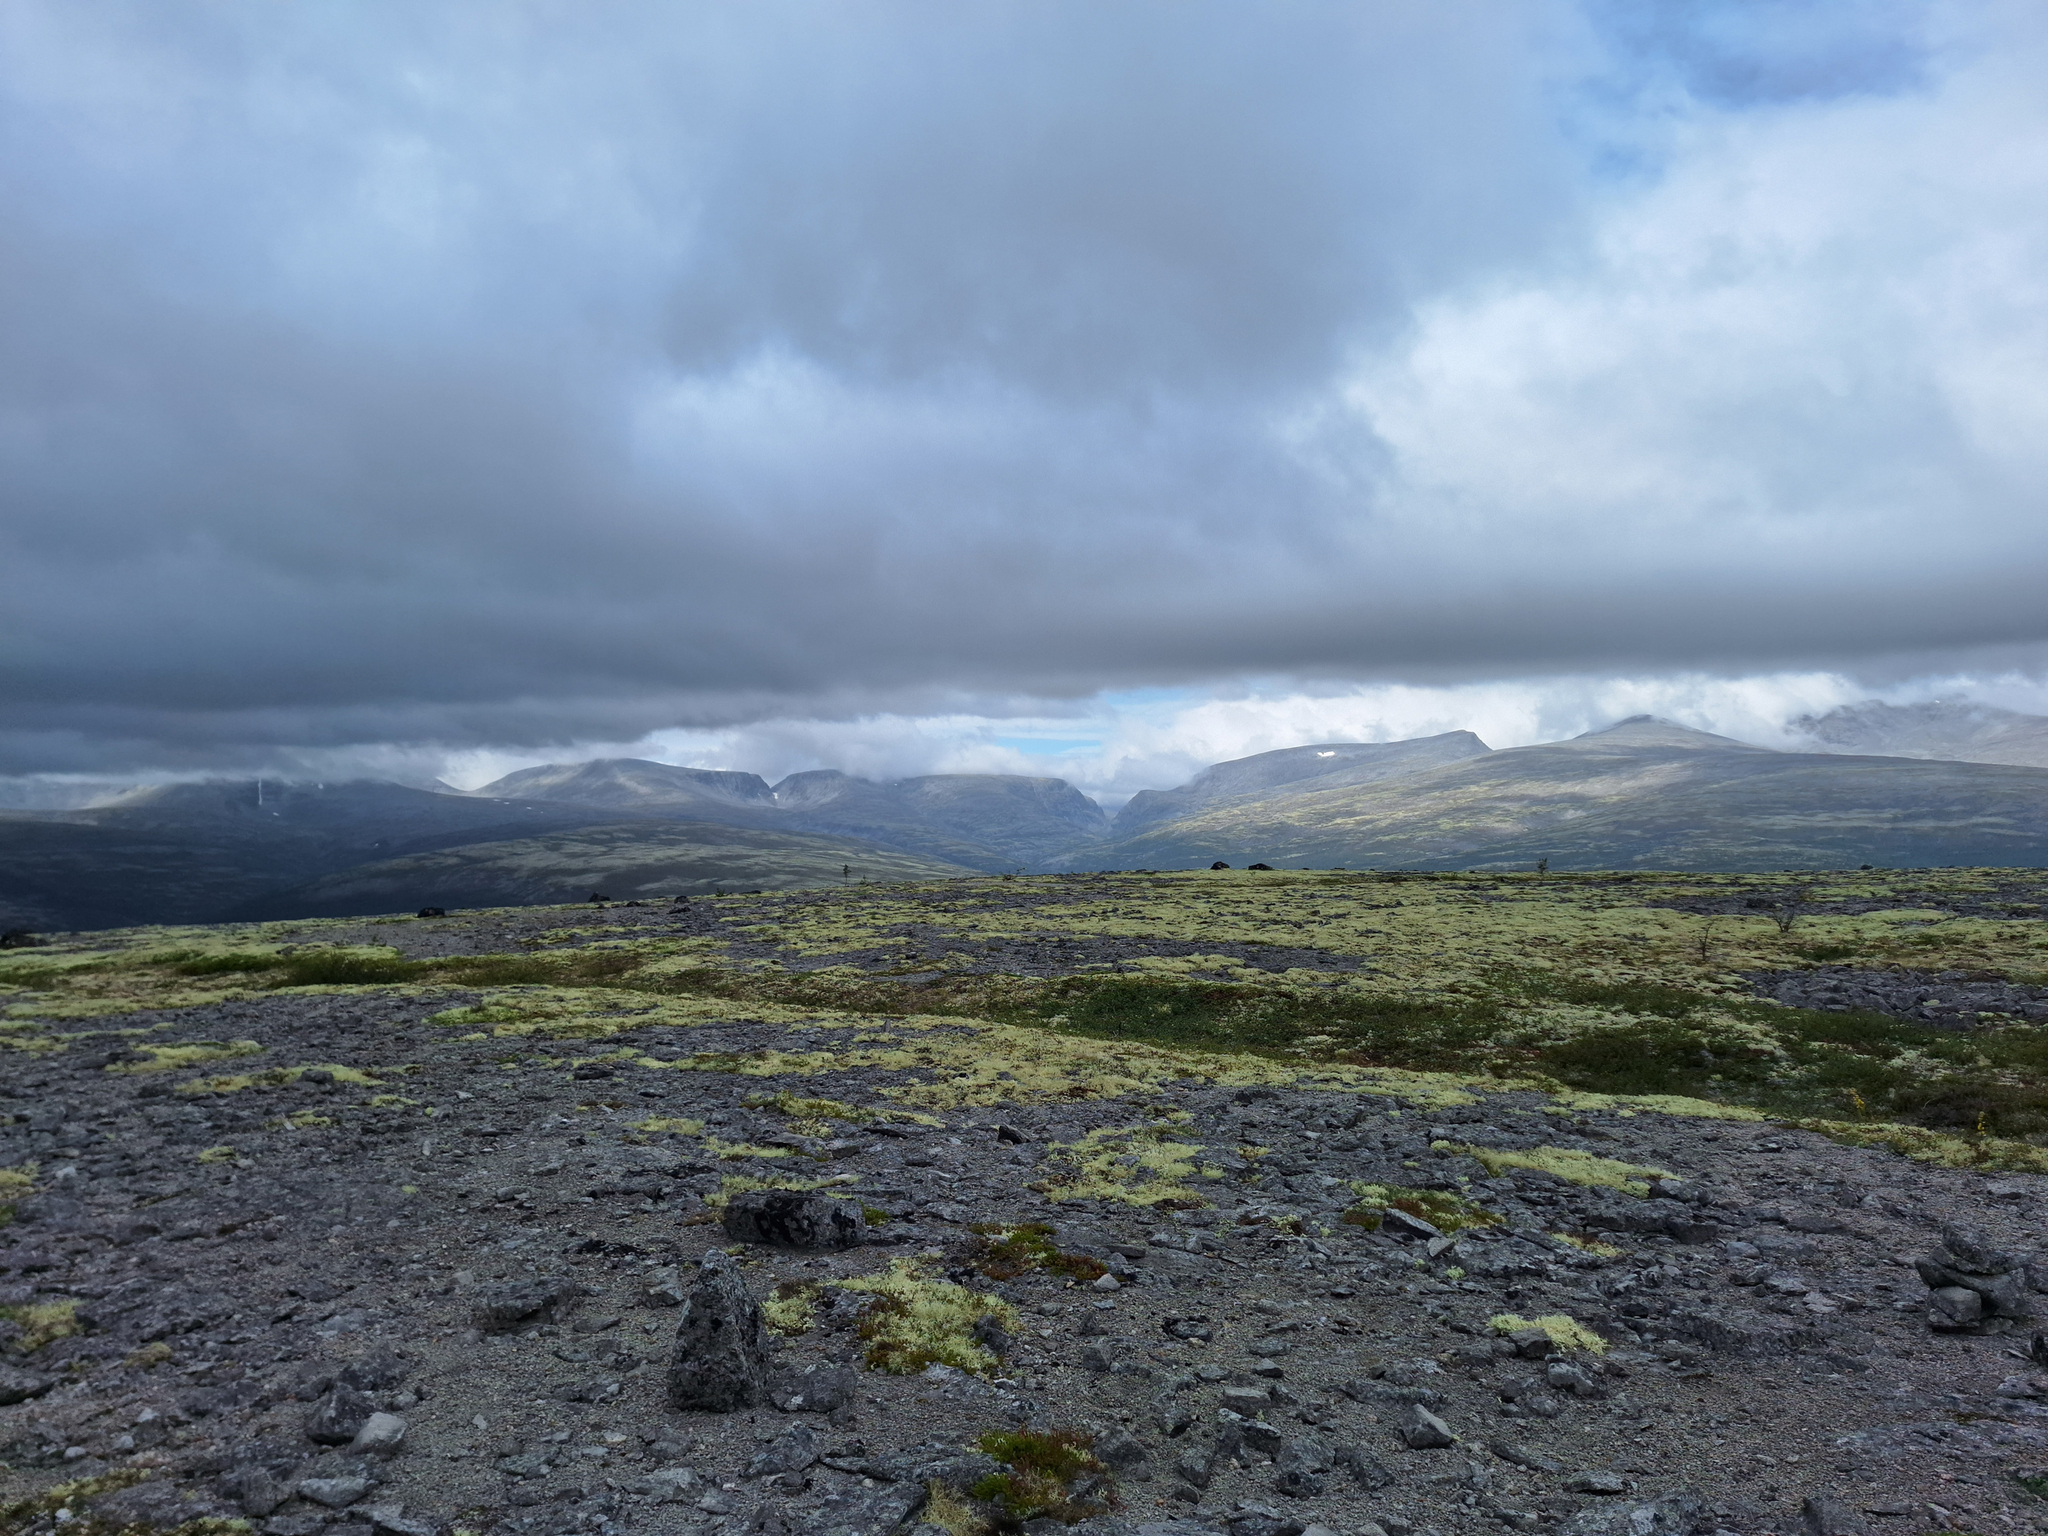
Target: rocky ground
[[444, 1282]]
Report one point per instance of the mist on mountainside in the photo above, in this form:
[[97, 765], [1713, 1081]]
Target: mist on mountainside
[[1957, 731]]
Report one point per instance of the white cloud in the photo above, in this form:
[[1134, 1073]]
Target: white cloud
[[1154, 742], [1806, 359]]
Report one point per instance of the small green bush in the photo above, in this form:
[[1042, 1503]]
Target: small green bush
[[1004, 1253], [1042, 1464], [336, 968]]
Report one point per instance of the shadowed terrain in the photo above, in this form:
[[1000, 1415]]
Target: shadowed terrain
[[623, 862]]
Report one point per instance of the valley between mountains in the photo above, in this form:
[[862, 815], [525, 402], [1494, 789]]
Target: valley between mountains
[[1268, 1203]]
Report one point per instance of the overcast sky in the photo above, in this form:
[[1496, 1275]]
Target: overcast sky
[[1101, 388]]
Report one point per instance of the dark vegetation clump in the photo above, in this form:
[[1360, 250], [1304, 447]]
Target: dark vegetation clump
[[343, 968], [1051, 1474], [1004, 1253], [1226, 1016], [225, 965], [1854, 1063], [1446, 1211]]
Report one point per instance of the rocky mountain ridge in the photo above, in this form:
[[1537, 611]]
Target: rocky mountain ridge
[[1643, 793]]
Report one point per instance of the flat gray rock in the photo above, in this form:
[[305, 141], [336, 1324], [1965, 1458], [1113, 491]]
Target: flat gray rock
[[799, 1219]]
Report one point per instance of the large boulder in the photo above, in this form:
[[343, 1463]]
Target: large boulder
[[340, 1416], [721, 1355], [1974, 1286], [17, 1386], [789, 1218]]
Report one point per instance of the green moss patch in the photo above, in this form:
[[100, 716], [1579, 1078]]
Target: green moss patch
[[68, 1507], [195, 1053], [792, 1306], [1136, 1165], [16, 1185], [42, 1322]]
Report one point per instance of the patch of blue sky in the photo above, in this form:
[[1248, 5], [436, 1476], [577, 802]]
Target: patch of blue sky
[[1655, 65], [1737, 54]]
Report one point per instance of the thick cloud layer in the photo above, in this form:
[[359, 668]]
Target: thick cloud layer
[[511, 376]]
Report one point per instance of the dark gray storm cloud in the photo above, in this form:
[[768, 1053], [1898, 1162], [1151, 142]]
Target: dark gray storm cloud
[[528, 374]]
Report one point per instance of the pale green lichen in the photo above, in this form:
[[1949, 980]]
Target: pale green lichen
[[1442, 1209], [1134, 1164], [277, 1077], [656, 1125], [791, 1307], [16, 1185], [735, 1184], [42, 1322], [1564, 1332], [1941, 1148], [1567, 1163], [914, 1321], [195, 1053]]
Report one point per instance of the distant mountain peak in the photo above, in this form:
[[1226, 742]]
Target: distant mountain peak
[[1656, 731]]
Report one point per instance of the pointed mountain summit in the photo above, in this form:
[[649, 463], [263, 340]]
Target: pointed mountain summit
[[1640, 732]]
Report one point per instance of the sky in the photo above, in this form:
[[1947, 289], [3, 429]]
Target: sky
[[435, 389]]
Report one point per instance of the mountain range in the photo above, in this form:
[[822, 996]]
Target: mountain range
[[1917, 785]]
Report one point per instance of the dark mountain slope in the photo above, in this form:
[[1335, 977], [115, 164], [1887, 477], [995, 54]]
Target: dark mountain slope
[[990, 821], [633, 784], [624, 862], [981, 821], [184, 853]]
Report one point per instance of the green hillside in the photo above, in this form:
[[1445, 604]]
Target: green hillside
[[1643, 794]]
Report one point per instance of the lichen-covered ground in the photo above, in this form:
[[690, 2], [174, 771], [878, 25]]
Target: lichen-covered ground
[[1700, 1123]]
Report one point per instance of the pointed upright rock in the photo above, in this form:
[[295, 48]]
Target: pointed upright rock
[[721, 1355]]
